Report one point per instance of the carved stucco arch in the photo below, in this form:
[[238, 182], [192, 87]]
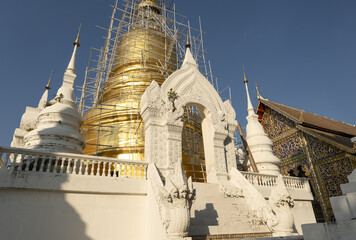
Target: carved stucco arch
[[163, 123]]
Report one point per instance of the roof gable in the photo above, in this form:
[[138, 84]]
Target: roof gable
[[326, 129]]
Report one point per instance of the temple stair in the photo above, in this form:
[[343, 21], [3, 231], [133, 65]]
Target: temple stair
[[213, 214]]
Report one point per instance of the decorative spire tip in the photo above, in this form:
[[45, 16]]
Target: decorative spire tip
[[187, 45], [76, 42], [49, 82], [245, 79]]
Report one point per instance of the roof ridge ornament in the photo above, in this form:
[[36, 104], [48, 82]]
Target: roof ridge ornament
[[259, 96]]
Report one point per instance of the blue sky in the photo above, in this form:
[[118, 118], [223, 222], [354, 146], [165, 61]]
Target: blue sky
[[301, 53]]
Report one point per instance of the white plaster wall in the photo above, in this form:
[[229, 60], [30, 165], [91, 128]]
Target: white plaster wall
[[37, 215], [303, 213], [154, 225], [340, 230], [71, 207]]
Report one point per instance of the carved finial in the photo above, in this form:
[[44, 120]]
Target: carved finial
[[187, 45], [48, 86], [245, 79], [76, 42]]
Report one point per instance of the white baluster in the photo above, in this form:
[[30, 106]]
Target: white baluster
[[69, 168], [55, 165], [120, 169], [14, 161], [104, 169], [22, 160], [125, 169], [80, 166], [62, 165], [130, 171], [92, 168], [86, 168], [48, 168], [28, 162], [7, 157], [75, 168], [110, 165]]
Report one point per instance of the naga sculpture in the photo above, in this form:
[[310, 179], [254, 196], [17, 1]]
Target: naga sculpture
[[281, 203], [276, 212], [174, 196]]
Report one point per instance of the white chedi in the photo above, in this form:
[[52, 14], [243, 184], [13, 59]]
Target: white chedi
[[29, 119], [259, 143], [58, 125]]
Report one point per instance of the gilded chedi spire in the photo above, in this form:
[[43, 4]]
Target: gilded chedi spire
[[258, 141], [58, 124], [139, 52]]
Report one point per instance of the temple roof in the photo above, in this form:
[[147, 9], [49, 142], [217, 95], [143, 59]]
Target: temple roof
[[326, 129]]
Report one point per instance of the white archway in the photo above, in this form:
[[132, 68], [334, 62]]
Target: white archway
[[163, 125]]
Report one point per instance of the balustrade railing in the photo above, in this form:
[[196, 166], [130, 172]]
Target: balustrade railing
[[24, 160], [264, 180]]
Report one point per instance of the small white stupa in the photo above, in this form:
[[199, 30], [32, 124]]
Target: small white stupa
[[29, 119], [58, 124], [258, 141]]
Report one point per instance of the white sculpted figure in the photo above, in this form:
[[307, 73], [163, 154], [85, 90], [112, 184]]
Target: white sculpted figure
[[281, 203], [275, 213], [174, 196]]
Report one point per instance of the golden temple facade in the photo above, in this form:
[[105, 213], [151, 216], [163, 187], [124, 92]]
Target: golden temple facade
[[113, 126]]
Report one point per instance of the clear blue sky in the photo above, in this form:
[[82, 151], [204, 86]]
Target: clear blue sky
[[302, 53]]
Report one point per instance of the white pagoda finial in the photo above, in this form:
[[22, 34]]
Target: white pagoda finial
[[250, 109], [71, 65], [189, 59], [43, 101], [258, 141], [66, 92]]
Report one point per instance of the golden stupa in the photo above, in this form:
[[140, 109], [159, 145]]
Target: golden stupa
[[113, 127]]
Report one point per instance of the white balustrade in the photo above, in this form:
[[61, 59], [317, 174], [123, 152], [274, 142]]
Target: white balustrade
[[24, 160], [264, 180]]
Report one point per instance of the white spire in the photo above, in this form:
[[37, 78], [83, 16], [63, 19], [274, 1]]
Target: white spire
[[189, 59], [66, 92], [43, 101], [250, 109], [58, 125], [71, 65], [258, 141]]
